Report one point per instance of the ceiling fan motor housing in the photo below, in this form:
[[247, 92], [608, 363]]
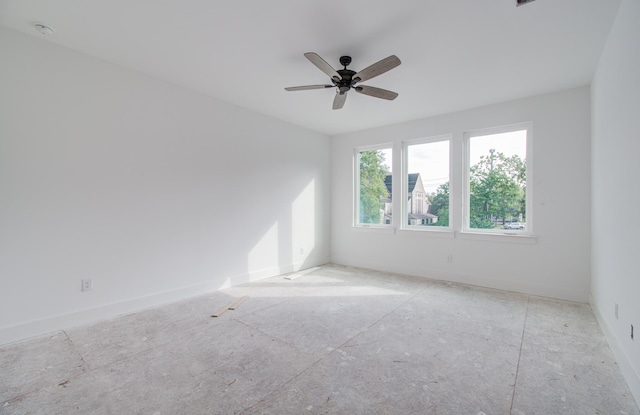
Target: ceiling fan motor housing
[[347, 80]]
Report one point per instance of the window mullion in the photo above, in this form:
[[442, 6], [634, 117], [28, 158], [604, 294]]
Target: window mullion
[[399, 162]]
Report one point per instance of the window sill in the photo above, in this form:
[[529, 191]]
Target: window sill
[[373, 228], [435, 232], [449, 234], [498, 237]]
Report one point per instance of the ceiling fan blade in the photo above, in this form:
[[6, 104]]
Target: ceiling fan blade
[[376, 92], [322, 65], [377, 68], [338, 101], [306, 87]]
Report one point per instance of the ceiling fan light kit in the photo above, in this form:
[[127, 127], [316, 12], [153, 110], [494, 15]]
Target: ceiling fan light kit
[[345, 79]]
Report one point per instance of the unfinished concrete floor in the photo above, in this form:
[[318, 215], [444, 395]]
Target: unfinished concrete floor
[[336, 341]]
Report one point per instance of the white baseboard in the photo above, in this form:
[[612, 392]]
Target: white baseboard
[[473, 280], [51, 324], [629, 373]]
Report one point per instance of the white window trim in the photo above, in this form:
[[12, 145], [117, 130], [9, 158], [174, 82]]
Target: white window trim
[[497, 237], [404, 184], [356, 188], [511, 235], [447, 233]]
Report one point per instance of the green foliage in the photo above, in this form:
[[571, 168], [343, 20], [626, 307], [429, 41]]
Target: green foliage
[[440, 204], [498, 188], [478, 223], [372, 187]]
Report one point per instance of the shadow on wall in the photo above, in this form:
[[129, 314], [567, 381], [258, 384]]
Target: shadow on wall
[[274, 218], [289, 243]]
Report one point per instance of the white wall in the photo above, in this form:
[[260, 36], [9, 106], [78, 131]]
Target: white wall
[[153, 191], [616, 193], [557, 265]]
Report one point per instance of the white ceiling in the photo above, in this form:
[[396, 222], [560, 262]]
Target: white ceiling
[[455, 54]]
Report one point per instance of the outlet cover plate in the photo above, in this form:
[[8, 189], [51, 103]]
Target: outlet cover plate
[[87, 284]]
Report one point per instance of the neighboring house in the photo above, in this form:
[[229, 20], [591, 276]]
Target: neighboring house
[[417, 202]]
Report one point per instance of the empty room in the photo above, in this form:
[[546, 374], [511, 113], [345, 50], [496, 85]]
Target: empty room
[[319, 207]]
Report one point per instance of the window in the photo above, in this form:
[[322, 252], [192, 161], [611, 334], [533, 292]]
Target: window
[[373, 186], [497, 177], [426, 202], [473, 185]]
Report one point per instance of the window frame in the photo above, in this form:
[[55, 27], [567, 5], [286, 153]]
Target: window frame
[[404, 190], [356, 186], [466, 185]]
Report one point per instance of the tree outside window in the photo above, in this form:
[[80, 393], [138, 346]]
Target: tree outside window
[[374, 199], [497, 188], [497, 180]]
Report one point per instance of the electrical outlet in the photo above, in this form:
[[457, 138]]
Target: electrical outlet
[[616, 311], [632, 332], [450, 258], [301, 251], [87, 284]]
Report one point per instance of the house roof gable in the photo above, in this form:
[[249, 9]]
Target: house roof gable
[[413, 179]]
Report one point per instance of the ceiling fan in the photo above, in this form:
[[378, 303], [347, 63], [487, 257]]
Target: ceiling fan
[[345, 79]]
